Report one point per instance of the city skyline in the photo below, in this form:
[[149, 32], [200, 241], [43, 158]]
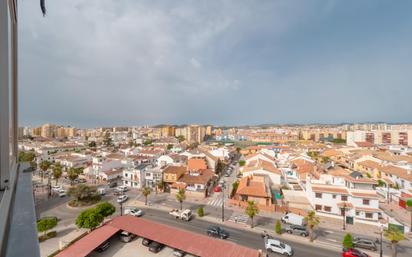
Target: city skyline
[[220, 62]]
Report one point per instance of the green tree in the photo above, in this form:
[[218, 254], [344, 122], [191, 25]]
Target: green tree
[[105, 209], [347, 241], [57, 172], [83, 193], [181, 138], [251, 210], [28, 157], [235, 185], [220, 167], [181, 196], [242, 163], [46, 224], [92, 144], [89, 219], [148, 142], [394, 235], [169, 146], [44, 166], [200, 211], [72, 174], [146, 192], [107, 140], [312, 221], [278, 227]]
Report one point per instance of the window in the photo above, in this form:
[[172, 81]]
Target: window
[[318, 207], [344, 197], [327, 208], [369, 215], [357, 213], [318, 195], [334, 196], [365, 201]]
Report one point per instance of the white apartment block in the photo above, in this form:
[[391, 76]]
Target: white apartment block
[[380, 137], [134, 177], [356, 195]]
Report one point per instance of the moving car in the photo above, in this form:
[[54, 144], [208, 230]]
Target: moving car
[[293, 219], [359, 242], [146, 242], [122, 198], [178, 253], [296, 229], [156, 247], [126, 237], [103, 247], [276, 246], [183, 215], [353, 253], [216, 231], [133, 211]]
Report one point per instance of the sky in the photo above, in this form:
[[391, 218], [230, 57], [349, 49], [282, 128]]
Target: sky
[[125, 62]]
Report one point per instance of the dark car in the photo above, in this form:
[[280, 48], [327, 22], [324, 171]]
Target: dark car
[[364, 243], [216, 231], [155, 247], [146, 242], [103, 247], [353, 253], [296, 229]]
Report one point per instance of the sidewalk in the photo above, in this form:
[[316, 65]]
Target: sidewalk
[[65, 234]]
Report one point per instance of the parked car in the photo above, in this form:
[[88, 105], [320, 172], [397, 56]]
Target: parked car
[[121, 188], [218, 189], [293, 219], [133, 211], [80, 180], [146, 241], [126, 237], [296, 229], [103, 247], [156, 247], [61, 193], [178, 253], [101, 191], [56, 188], [122, 198], [353, 253], [227, 175], [216, 231], [359, 242], [276, 246], [112, 184]]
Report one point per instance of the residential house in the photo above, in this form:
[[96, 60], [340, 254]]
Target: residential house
[[254, 188], [134, 177], [197, 183], [264, 168], [153, 176]]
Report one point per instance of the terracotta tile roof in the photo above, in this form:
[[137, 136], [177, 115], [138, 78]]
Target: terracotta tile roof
[[361, 180], [345, 204], [204, 176], [330, 189], [369, 164], [172, 169], [338, 172], [397, 171], [253, 186], [331, 152], [196, 164], [261, 165]]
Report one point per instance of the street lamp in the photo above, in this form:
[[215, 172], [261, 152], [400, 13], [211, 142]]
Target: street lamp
[[381, 231], [121, 207], [343, 210], [223, 200]]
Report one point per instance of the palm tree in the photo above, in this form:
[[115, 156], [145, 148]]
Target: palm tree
[[72, 174], [312, 221], [394, 235], [57, 172], [44, 166], [146, 193], [181, 196], [251, 210]]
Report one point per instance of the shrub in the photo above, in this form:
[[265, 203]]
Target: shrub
[[105, 209], [347, 241], [200, 212], [242, 163], [278, 227], [45, 224]]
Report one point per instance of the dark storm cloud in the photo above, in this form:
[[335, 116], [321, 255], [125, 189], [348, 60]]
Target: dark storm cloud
[[106, 62]]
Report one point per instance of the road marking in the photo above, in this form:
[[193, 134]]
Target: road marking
[[332, 240], [329, 232]]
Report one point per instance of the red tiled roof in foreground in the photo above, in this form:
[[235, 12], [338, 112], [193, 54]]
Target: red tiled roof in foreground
[[196, 244], [88, 243]]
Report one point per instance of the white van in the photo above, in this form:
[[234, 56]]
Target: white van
[[293, 219]]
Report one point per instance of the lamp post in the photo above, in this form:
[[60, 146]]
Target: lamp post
[[223, 201], [121, 207], [343, 209], [381, 251]]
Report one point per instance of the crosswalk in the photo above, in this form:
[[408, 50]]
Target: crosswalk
[[239, 218], [217, 202]]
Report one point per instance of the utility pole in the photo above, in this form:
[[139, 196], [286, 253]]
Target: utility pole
[[381, 251]]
